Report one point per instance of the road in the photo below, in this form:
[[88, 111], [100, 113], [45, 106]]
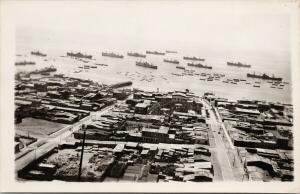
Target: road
[[36, 150], [220, 158]]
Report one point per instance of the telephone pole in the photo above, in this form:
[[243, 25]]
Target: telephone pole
[[82, 151]]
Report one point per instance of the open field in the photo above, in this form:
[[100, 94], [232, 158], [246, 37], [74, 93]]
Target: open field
[[37, 127]]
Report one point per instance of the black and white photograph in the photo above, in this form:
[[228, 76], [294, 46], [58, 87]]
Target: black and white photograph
[[160, 92]]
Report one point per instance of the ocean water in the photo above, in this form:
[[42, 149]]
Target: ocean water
[[162, 79]]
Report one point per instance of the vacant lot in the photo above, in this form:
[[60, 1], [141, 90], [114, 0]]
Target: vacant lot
[[37, 128]]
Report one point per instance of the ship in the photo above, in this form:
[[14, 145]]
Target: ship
[[264, 76], [193, 58], [111, 54], [79, 55], [145, 64], [45, 71], [131, 54], [25, 63], [171, 61], [38, 53], [238, 64], [180, 67], [199, 65], [168, 51], [155, 53]]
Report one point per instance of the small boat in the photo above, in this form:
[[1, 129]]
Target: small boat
[[256, 86]]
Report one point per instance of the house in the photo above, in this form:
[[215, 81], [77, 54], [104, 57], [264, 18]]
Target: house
[[141, 108]]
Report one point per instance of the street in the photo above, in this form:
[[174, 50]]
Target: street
[[220, 158], [34, 151]]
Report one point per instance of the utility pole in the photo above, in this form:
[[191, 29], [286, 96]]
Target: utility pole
[[82, 151]]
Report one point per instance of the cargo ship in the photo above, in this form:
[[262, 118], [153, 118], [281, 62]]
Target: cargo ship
[[45, 71], [145, 64], [238, 64], [180, 67], [79, 55], [131, 54], [193, 58], [199, 65], [264, 76], [168, 51], [38, 53], [171, 61], [155, 53], [111, 54], [25, 63]]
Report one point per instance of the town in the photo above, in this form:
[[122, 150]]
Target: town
[[72, 129]]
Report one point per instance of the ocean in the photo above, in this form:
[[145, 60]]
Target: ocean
[[163, 79]]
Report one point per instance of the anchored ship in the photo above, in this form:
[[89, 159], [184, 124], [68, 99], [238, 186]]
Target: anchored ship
[[238, 64], [145, 64], [111, 54], [79, 55], [171, 61], [136, 55], [264, 76], [168, 51], [45, 71], [180, 67], [199, 65], [193, 58], [155, 53], [25, 63], [38, 53]]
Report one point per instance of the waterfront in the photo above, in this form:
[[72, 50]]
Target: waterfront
[[115, 93], [118, 70]]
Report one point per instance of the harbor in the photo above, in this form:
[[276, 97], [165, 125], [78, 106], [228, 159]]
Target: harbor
[[169, 94]]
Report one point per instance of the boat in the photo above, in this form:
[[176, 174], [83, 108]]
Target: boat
[[45, 71], [238, 64], [145, 64], [93, 66], [193, 58], [101, 64], [78, 71], [38, 53], [79, 55], [176, 74], [168, 51], [113, 55], [25, 63], [180, 67], [155, 53], [171, 61], [134, 54], [264, 77], [256, 86], [199, 65]]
